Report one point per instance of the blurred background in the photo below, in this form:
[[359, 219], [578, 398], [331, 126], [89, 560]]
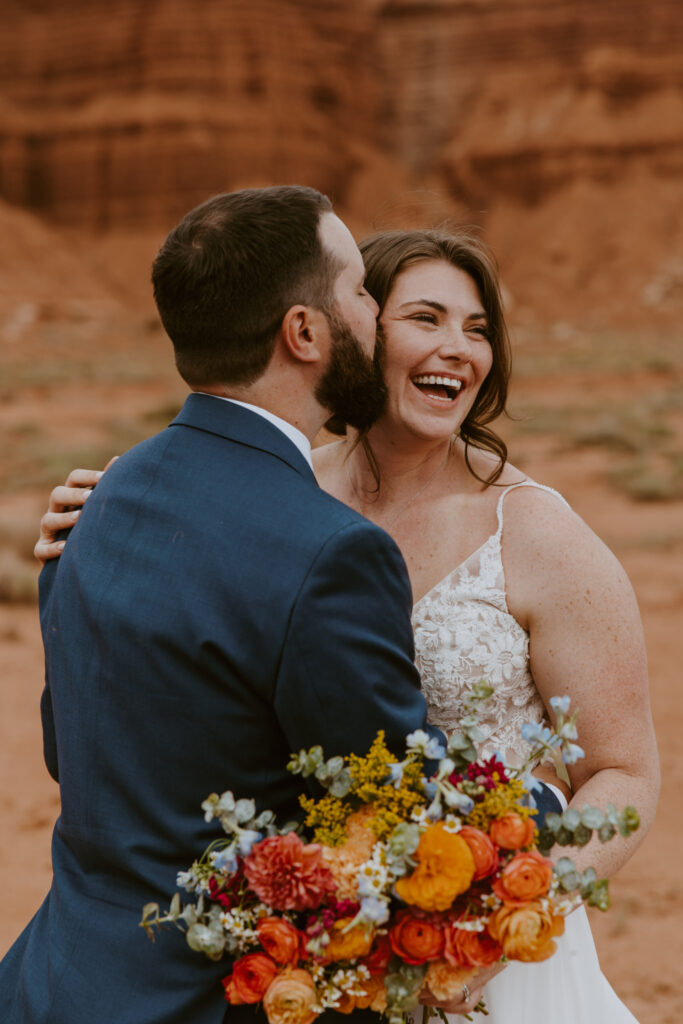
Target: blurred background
[[554, 126]]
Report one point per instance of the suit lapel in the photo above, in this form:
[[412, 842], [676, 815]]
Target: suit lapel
[[235, 423]]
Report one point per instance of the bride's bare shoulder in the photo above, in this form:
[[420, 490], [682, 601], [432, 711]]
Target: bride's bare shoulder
[[328, 459]]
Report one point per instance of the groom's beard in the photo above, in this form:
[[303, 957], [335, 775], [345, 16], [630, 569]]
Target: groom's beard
[[352, 387]]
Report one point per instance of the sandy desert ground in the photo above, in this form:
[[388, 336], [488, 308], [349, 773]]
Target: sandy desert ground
[[599, 417]]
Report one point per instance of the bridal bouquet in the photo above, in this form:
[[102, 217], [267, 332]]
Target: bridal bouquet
[[395, 882]]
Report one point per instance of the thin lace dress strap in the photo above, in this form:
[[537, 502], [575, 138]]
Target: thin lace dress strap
[[513, 487]]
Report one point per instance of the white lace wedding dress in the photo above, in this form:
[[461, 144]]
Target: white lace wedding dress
[[464, 633]]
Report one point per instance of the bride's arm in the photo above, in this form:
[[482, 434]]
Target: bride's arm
[[586, 640]]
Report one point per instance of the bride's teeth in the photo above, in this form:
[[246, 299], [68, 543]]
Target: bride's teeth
[[443, 381]]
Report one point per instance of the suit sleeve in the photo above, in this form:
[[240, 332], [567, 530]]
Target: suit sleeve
[[347, 669], [47, 578]]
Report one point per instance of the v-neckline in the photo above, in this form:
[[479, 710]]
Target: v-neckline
[[439, 583]]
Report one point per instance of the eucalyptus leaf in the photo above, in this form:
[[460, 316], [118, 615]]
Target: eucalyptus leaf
[[570, 881], [458, 742], [564, 866], [245, 810], [612, 814], [606, 832], [564, 837], [553, 821], [582, 835], [588, 877], [341, 784], [599, 895], [571, 818], [592, 817]]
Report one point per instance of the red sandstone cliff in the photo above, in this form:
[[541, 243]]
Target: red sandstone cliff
[[556, 124]]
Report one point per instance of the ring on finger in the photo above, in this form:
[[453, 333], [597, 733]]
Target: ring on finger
[[466, 993]]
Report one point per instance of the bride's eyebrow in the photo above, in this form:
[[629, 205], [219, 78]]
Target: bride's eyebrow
[[425, 302]]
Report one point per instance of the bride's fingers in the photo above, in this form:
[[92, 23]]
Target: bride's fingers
[[48, 546], [455, 1005], [63, 497], [44, 551], [83, 477], [64, 509]]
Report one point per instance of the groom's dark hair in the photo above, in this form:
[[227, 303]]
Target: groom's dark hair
[[227, 274]]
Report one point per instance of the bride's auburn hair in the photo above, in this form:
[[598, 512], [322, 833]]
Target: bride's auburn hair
[[389, 253]]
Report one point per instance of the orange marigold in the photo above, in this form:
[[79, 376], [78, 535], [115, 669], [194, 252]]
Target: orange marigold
[[445, 869]]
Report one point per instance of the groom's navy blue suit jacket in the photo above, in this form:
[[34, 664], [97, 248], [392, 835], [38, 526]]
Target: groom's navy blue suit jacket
[[213, 611]]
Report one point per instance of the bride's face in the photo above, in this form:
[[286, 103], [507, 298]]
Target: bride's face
[[436, 348]]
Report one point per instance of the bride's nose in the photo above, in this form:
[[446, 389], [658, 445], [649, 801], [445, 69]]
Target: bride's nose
[[456, 344]]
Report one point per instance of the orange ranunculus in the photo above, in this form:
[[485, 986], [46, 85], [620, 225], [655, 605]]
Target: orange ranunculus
[[280, 939], [415, 939], [347, 945], [483, 850], [379, 956], [445, 869], [471, 949], [290, 998], [251, 976], [374, 991], [527, 932], [526, 877], [512, 832], [445, 981]]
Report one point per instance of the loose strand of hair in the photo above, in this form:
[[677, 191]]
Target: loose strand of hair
[[477, 436]]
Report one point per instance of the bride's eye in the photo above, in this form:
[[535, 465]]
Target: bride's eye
[[428, 318]]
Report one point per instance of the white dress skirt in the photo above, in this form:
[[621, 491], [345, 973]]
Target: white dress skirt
[[464, 632]]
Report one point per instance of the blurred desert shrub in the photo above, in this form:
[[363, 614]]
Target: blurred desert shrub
[[18, 578], [642, 439]]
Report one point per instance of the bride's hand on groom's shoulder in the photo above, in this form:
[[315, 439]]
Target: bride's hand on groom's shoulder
[[64, 508]]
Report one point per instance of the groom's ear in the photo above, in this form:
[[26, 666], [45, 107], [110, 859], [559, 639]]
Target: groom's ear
[[305, 334]]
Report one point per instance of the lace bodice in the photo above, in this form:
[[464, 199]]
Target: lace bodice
[[464, 632]]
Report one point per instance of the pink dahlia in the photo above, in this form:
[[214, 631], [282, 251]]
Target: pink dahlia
[[287, 874]]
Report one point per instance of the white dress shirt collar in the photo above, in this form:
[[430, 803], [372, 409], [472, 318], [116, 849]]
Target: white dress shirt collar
[[290, 431]]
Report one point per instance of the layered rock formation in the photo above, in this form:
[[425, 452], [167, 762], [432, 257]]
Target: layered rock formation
[[556, 124]]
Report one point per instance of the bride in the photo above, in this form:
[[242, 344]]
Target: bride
[[510, 584]]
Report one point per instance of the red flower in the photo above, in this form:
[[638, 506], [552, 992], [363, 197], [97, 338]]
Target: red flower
[[226, 892], [287, 874], [250, 978], [489, 774], [379, 956]]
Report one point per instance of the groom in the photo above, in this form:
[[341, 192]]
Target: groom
[[213, 611]]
